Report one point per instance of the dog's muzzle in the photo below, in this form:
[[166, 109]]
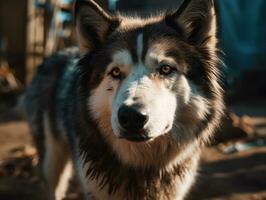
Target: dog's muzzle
[[132, 122]]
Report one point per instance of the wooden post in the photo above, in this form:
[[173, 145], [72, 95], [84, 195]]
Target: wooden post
[[35, 39]]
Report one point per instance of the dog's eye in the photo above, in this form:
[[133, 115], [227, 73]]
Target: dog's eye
[[116, 73], [166, 70]]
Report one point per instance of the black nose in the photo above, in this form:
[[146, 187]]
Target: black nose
[[131, 119]]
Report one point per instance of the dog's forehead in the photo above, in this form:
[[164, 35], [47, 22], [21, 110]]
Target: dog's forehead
[[143, 45], [131, 53]]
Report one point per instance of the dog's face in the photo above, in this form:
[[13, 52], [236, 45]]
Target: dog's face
[[144, 100], [150, 80]]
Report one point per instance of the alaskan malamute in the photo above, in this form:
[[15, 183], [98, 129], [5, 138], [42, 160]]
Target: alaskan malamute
[[130, 109]]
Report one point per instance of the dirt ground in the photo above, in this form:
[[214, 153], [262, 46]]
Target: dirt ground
[[222, 176]]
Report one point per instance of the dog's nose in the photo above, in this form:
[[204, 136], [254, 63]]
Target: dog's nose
[[131, 119]]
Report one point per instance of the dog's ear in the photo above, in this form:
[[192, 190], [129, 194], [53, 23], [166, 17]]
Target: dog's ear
[[197, 20], [93, 24]]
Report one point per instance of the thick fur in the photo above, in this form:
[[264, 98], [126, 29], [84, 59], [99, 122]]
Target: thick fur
[[73, 101]]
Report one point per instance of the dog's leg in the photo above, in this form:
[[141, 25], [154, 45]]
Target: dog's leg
[[63, 184], [56, 156]]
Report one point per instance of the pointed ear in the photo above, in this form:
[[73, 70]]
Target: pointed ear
[[198, 21], [92, 24]]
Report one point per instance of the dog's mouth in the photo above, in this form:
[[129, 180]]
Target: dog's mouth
[[140, 135], [135, 136]]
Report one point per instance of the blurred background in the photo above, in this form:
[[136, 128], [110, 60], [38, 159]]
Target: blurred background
[[233, 166]]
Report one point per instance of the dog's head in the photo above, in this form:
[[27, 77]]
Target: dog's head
[[150, 82]]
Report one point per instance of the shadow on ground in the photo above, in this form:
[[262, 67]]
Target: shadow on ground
[[241, 175]]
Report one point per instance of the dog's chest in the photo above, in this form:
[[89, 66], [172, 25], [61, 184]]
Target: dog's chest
[[98, 193], [159, 189]]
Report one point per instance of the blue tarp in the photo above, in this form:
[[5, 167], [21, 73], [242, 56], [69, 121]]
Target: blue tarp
[[242, 32]]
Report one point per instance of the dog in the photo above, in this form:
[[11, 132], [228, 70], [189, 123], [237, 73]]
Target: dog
[[129, 110]]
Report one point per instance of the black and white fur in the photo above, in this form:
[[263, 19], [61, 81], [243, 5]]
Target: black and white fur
[[165, 67]]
